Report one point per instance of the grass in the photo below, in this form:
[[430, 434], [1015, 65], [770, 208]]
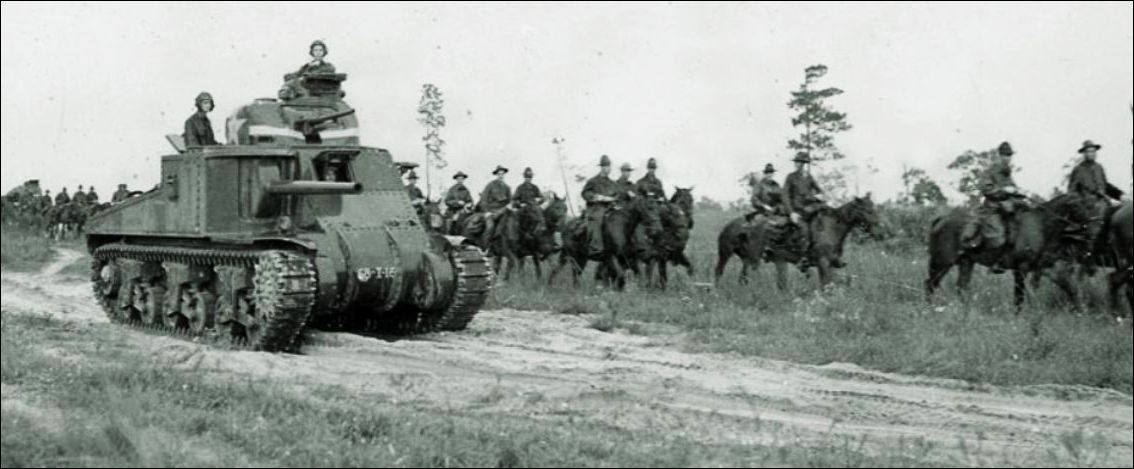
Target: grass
[[22, 251], [879, 321], [104, 405]]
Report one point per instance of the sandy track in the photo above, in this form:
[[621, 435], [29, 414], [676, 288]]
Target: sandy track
[[546, 366]]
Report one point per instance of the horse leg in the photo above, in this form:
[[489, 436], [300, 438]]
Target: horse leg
[[680, 259], [1021, 288], [781, 276], [825, 274], [663, 274], [1062, 279], [964, 275], [937, 272], [648, 280], [536, 264], [722, 262]]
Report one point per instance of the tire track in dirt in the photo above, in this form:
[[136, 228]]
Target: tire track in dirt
[[555, 367]]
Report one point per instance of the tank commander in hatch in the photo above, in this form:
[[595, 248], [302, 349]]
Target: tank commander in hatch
[[198, 128], [317, 65]]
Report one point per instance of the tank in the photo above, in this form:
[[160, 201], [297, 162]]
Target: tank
[[290, 225]]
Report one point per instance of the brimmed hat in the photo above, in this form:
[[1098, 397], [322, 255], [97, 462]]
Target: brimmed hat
[[528, 173], [1089, 145], [652, 164], [499, 170], [1005, 149], [769, 169], [460, 175], [604, 161], [802, 157], [626, 167], [412, 175]]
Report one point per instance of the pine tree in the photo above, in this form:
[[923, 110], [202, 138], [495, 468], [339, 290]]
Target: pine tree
[[430, 116], [820, 123]]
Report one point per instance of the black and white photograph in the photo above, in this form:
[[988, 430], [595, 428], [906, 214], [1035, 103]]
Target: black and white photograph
[[567, 234]]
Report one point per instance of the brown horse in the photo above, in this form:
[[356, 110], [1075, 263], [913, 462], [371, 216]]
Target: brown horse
[[669, 246], [752, 239], [1040, 237], [618, 230], [523, 233]]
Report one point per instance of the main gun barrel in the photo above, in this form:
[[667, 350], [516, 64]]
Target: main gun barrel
[[314, 188]]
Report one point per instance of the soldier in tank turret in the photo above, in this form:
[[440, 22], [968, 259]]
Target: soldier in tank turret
[[198, 128], [317, 65]]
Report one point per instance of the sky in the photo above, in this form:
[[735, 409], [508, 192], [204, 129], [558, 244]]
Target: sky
[[89, 90]]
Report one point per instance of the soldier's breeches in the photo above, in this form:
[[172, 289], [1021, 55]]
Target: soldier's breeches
[[594, 229]]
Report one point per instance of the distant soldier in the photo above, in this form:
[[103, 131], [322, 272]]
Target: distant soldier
[[80, 197], [599, 193], [995, 214], [528, 193], [45, 202], [767, 194], [458, 198], [62, 198], [416, 196], [625, 190], [650, 186], [198, 128], [317, 65], [493, 201], [92, 196], [121, 194]]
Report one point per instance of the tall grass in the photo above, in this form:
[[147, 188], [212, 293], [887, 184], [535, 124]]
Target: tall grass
[[877, 317], [22, 249]]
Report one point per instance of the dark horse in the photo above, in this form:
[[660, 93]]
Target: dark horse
[[522, 233], [1039, 238], [669, 246], [753, 239], [1120, 237], [431, 218], [618, 230]]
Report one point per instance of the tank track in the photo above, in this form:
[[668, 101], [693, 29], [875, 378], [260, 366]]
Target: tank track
[[284, 286], [474, 277]]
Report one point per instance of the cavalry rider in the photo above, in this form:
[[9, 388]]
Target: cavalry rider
[[1088, 180], [528, 194], [198, 128], [92, 196], [995, 215], [801, 195], [650, 186], [768, 195], [599, 193], [415, 194], [493, 201], [45, 202], [623, 187], [458, 198], [80, 197], [62, 198]]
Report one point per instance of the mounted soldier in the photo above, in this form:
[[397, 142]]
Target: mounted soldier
[[121, 194], [1088, 180], [80, 197], [768, 195], [92, 196], [417, 198], [801, 195], [599, 193], [625, 189], [650, 186], [458, 198], [62, 198], [528, 193], [992, 228], [493, 201]]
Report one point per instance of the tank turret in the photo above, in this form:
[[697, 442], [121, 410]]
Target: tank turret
[[290, 225]]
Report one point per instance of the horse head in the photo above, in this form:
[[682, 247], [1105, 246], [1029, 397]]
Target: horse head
[[531, 220], [1072, 208], [647, 214], [861, 213], [431, 215]]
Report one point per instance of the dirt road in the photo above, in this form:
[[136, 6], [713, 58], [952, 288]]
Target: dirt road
[[544, 366]]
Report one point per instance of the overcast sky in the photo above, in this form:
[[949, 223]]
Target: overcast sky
[[89, 90]]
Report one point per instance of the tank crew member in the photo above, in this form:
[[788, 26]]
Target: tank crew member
[[599, 193], [493, 201], [767, 194], [458, 198], [198, 128], [528, 193], [317, 65], [624, 187], [650, 185], [121, 194]]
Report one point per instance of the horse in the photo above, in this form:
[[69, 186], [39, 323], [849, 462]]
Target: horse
[[618, 230], [669, 247], [431, 217], [1039, 238], [1119, 235], [65, 221], [753, 239], [522, 233]]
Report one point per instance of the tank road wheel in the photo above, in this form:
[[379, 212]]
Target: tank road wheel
[[275, 312], [106, 280], [149, 309], [199, 308]]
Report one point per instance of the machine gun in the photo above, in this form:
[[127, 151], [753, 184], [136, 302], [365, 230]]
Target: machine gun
[[307, 126]]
